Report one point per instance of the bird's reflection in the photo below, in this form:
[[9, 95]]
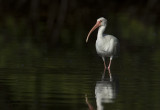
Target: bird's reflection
[[105, 92]]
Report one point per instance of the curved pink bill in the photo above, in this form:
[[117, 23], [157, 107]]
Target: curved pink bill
[[94, 27]]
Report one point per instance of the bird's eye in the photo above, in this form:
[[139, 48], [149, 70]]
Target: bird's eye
[[100, 20]]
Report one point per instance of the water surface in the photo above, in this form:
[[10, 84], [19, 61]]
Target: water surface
[[74, 80]]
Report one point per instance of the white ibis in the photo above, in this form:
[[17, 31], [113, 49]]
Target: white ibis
[[106, 45]]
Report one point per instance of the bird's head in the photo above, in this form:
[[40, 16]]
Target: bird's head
[[100, 22]]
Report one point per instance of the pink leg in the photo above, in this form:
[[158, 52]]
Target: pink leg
[[104, 64], [110, 75], [109, 64], [109, 69]]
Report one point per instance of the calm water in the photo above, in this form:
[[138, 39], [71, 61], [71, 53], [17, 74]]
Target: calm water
[[74, 80]]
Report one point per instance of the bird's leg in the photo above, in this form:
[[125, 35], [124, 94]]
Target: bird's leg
[[110, 63], [110, 75], [104, 64]]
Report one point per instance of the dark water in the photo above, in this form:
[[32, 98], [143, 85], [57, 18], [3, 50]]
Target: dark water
[[74, 80]]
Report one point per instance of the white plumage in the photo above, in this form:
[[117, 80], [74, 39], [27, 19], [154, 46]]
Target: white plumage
[[106, 45]]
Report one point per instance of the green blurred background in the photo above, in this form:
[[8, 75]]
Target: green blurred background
[[52, 23], [35, 27]]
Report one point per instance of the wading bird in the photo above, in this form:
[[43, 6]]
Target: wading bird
[[106, 45]]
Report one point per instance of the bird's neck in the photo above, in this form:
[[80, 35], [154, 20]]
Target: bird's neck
[[101, 32]]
